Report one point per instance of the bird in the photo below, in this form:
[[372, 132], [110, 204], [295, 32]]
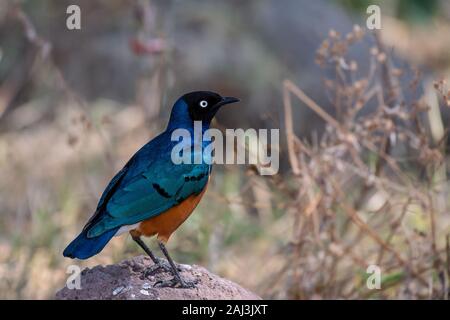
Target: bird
[[151, 195]]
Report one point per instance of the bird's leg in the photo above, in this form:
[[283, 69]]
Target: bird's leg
[[158, 263], [177, 279]]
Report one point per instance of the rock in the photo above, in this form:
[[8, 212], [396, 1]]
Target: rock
[[125, 281]]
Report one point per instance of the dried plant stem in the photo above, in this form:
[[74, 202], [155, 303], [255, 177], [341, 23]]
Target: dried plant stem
[[290, 130], [360, 223]]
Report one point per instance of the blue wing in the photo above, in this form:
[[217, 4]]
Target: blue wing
[[147, 188]]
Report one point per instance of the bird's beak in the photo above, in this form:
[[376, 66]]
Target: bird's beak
[[226, 100]]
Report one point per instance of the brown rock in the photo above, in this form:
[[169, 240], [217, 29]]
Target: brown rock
[[125, 281]]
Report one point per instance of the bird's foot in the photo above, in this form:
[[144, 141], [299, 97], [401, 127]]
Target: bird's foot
[[161, 265], [176, 282]]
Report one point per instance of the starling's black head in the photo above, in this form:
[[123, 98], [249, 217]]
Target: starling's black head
[[203, 105]]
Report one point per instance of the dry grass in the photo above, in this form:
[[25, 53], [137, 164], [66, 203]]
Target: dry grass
[[372, 189]]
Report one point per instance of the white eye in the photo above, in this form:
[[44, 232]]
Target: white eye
[[203, 103]]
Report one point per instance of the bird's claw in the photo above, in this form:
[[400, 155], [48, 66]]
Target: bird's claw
[[161, 265], [176, 283]]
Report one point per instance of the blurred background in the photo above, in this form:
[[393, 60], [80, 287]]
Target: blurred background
[[364, 119]]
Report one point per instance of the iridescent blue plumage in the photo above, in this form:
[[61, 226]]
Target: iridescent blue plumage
[[150, 183]]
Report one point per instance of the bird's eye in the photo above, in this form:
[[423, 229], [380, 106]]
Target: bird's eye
[[203, 103]]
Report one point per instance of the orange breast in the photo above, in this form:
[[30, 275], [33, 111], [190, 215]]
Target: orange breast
[[166, 223]]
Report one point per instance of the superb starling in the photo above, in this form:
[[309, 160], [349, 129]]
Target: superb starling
[[152, 195]]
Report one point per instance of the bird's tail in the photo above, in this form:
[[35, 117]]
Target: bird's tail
[[83, 247]]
